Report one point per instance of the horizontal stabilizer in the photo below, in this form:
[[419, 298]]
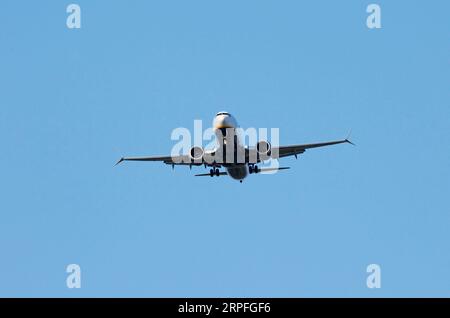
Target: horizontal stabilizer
[[273, 169], [208, 174]]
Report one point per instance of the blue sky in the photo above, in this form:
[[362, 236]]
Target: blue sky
[[74, 101]]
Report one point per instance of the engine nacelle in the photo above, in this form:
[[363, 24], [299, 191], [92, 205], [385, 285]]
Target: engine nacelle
[[263, 148], [196, 153]]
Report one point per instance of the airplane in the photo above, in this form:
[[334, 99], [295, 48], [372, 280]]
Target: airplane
[[238, 160]]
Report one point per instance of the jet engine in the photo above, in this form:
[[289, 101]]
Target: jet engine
[[263, 148], [196, 153]]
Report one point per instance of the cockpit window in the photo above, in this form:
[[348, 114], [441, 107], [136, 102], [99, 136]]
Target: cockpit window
[[223, 113]]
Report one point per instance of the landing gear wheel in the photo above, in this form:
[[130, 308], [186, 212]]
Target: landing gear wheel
[[256, 169], [217, 172], [211, 173], [250, 169]]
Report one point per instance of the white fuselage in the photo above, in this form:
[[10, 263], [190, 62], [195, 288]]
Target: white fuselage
[[225, 125]]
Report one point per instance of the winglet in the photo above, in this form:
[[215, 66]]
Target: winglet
[[121, 159], [347, 140]]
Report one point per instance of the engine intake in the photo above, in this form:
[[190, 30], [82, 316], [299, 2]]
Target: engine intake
[[263, 148], [196, 153]]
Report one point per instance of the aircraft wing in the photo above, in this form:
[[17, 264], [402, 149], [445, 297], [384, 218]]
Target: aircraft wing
[[294, 150], [277, 152], [175, 160]]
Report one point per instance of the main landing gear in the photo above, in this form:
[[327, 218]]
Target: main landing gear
[[214, 172], [253, 169]]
